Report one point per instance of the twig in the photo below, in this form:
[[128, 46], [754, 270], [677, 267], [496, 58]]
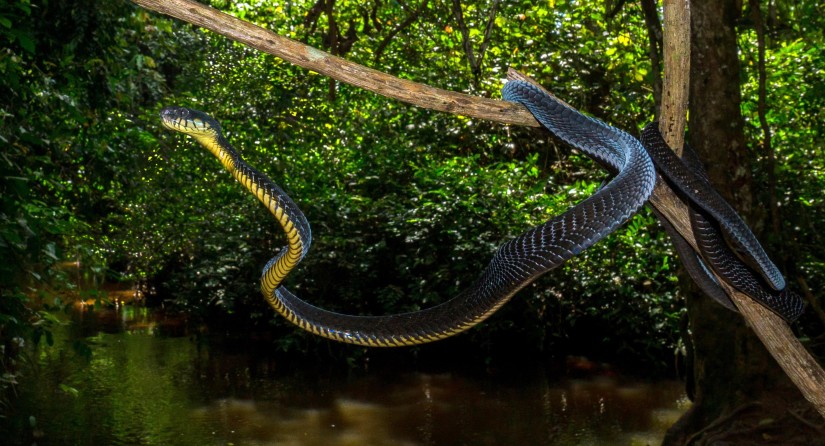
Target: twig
[[817, 428], [721, 420]]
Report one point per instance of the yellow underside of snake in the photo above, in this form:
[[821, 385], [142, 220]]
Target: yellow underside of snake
[[515, 264]]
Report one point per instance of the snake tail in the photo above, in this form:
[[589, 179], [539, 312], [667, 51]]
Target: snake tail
[[709, 228], [702, 194]]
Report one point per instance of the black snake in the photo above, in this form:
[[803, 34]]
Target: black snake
[[514, 265], [709, 230]]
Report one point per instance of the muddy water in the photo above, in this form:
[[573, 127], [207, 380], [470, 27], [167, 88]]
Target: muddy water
[[124, 376]]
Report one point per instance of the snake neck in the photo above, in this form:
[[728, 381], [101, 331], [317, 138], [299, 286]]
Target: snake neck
[[278, 203]]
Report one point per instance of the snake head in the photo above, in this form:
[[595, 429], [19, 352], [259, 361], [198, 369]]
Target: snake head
[[188, 121]]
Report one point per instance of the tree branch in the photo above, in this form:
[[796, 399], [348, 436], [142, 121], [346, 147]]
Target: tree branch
[[676, 52], [797, 363], [465, 35], [407, 22], [341, 69], [611, 11], [761, 110], [654, 37], [488, 29], [475, 62]]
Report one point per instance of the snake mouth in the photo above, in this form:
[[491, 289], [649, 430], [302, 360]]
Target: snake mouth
[[172, 116]]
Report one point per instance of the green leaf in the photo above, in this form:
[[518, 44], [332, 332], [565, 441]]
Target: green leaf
[[26, 42], [69, 389]]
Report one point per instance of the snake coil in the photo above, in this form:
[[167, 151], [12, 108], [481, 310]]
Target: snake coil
[[712, 218]]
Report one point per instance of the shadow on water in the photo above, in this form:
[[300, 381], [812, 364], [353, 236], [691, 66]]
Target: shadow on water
[[129, 376]]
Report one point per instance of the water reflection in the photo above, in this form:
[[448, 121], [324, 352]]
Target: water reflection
[[422, 409], [142, 388]]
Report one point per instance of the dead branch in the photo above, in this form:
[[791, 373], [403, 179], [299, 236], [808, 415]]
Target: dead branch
[[676, 54], [305, 56]]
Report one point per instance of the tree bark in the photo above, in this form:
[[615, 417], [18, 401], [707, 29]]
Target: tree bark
[[676, 80], [655, 40], [726, 350]]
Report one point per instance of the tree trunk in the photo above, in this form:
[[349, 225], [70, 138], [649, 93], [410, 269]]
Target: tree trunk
[[731, 368]]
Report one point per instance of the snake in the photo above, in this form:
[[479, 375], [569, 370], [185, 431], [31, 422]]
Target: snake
[[701, 193], [711, 232], [713, 220], [514, 265]]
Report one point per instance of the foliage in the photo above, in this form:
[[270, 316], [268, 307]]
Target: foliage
[[71, 91], [795, 111]]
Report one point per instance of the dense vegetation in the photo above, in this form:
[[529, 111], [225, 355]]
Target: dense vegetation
[[407, 205]]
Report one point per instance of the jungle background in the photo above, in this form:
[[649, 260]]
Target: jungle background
[[406, 205]]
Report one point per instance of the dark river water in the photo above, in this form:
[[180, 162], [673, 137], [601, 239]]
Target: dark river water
[[118, 376]]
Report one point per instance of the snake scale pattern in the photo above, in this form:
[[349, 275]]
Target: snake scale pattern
[[516, 263]]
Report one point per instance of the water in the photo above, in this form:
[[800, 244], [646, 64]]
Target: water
[[145, 383]]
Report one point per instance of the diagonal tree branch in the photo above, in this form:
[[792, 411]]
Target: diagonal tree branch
[[475, 62], [488, 30], [465, 33], [401, 26], [305, 56]]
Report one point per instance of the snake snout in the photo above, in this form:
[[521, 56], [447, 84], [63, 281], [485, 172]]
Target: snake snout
[[172, 116], [189, 121]]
